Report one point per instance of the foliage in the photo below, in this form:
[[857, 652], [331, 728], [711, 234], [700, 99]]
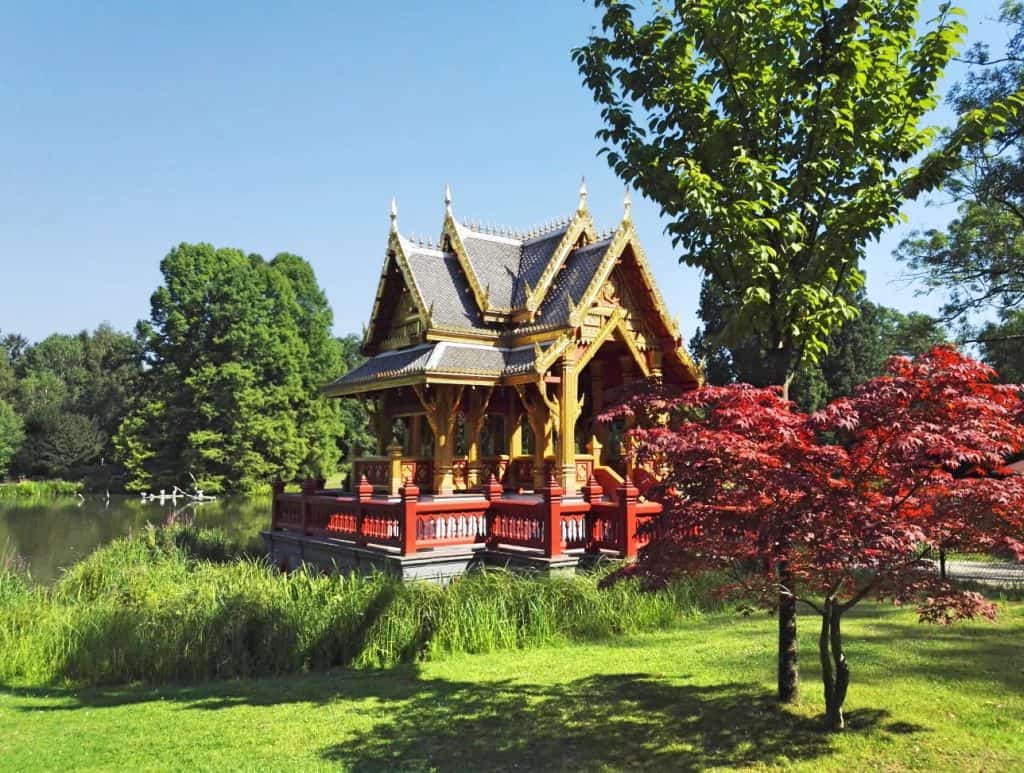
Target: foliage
[[846, 502], [72, 392], [354, 417], [236, 350], [776, 139], [979, 258], [29, 489], [12, 433], [1002, 345], [856, 352], [148, 608]]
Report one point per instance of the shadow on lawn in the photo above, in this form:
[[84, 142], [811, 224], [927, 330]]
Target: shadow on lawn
[[622, 721], [625, 721]]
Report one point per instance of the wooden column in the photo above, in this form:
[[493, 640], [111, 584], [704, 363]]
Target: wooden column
[[395, 459], [440, 404], [515, 432], [654, 357], [538, 407], [476, 414], [599, 431], [569, 411]]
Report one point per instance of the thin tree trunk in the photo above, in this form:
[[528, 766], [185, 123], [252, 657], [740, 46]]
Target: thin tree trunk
[[789, 673], [835, 671], [942, 563]]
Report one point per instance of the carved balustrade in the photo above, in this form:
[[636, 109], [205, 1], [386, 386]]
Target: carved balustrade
[[543, 523]]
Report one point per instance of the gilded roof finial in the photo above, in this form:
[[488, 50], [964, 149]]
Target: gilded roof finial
[[448, 199], [583, 195], [627, 204], [394, 214]]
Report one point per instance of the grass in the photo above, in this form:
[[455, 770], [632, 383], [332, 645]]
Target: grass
[[695, 698], [181, 605], [40, 488]]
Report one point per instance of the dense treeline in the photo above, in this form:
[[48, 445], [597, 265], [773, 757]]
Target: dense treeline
[[222, 383]]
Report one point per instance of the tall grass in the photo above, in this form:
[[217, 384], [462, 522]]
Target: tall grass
[[181, 605], [40, 488]]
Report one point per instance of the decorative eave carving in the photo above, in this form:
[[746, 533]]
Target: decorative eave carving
[[545, 359], [396, 251], [452, 233]]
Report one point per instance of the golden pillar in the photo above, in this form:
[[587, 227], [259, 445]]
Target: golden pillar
[[441, 403], [476, 414], [569, 411]]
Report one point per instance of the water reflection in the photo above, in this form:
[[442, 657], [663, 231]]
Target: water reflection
[[54, 533]]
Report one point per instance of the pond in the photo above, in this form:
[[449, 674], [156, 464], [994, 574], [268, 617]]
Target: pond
[[53, 533]]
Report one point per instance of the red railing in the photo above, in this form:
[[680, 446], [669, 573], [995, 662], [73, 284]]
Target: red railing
[[544, 523]]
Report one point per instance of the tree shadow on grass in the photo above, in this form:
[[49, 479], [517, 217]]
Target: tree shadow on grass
[[631, 721], [626, 721]]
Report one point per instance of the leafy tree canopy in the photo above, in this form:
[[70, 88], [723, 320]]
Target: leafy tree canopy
[[12, 433], [776, 138], [978, 260], [72, 392], [856, 352], [236, 349]]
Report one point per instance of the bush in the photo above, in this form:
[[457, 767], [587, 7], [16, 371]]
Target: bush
[[181, 605]]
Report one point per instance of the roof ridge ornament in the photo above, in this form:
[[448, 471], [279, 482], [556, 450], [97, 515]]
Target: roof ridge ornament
[[583, 195], [394, 214], [448, 199], [627, 204]]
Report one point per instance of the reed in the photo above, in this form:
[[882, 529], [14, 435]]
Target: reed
[[27, 489], [185, 605]]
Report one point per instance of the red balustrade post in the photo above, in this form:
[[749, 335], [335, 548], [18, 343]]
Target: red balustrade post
[[276, 489], [593, 493], [363, 493], [552, 514], [492, 493], [308, 488], [628, 494], [410, 494]]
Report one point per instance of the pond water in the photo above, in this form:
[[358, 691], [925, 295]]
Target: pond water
[[52, 534]]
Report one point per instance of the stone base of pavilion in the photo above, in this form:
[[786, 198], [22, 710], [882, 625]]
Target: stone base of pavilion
[[436, 538]]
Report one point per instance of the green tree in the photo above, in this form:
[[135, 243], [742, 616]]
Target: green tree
[[775, 137], [1002, 345], [857, 351], [72, 391], [978, 259], [234, 348], [12, 434], [354, 417]]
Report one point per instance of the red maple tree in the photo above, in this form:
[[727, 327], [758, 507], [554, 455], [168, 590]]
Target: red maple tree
[[830, 509]]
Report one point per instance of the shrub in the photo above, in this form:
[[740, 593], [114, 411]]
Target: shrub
[[182, 605]]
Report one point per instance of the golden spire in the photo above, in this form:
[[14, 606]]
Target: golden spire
[[583, 195], [448, 199], [627, 203], [394, 215]]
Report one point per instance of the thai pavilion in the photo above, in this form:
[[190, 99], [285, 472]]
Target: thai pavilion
[[489, 354]]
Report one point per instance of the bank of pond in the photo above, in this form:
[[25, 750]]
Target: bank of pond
[[183, 604]]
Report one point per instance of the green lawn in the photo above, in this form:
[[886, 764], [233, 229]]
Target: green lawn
[[692, 699]]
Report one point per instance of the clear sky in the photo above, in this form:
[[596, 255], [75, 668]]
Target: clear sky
[[130, 127]]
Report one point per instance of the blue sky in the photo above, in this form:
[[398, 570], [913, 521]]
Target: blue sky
[[131, 127]]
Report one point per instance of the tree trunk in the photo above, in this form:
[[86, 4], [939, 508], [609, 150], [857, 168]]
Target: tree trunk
[[789, 673], [835, 671], [942, 563]]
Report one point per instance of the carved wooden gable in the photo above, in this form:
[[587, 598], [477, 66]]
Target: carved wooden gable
[[398, 321], [620, 291]]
